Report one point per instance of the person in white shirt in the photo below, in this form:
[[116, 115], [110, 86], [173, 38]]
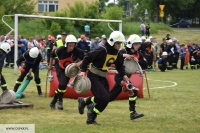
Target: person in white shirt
[[103, 41], [142, 28]]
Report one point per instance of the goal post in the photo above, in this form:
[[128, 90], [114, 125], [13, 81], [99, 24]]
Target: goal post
[[51, 17]]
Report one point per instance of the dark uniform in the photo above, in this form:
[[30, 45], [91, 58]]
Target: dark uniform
[[193, 57], [49, 48], [64, 58], [162, 64], [2, 79], [163, 46], [171, 54], [101, 58], [149, 55], [10, 57], [29, 63], [118, 88]]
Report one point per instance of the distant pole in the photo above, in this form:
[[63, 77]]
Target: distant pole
[[145, 15]]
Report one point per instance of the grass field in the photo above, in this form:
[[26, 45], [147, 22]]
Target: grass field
[[168, 110]]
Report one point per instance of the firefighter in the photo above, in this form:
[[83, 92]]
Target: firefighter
[[149, 53], [171, 54], [162, 62], [100, 59], [66, 55], [31, 59], [49, 48], [4, 49], [131, 51], [193, 57]]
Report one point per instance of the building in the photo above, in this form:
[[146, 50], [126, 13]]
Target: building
[[54, 5]]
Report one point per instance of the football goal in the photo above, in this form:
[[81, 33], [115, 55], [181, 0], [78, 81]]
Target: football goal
[[16, 17]]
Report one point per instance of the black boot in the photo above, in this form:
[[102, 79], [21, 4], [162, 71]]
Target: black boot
[[60, 105], [82, 103], [16, 87], [39, 91], [133, 113], [91, 115], [53, 102], [60, 101]]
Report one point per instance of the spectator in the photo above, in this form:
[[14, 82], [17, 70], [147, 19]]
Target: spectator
[[23, 48], [155, 50], [30, 43], [83, 45], [94, 44], [182, 53], [168, 37], [148, 30], [87, 30], [142, 28], [20, 45], [103, 40]]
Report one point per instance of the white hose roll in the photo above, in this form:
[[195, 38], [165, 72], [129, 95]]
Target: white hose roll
[[82, 84], [71, 70], [8, 97], [131, 66]]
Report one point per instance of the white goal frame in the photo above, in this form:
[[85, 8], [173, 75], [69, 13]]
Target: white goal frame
[[50, 17]]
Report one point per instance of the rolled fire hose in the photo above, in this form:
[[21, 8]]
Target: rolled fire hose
[[131, 66], [8, 97], [71, 70], [81, 84]]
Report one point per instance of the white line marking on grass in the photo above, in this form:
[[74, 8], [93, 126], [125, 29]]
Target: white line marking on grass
[[160, 87]]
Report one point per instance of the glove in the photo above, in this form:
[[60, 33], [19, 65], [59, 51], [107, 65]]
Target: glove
[[21, 69]]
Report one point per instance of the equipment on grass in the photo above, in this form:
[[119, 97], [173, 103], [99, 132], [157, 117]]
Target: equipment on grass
[[8, 97], [50, 78], [19, 93]]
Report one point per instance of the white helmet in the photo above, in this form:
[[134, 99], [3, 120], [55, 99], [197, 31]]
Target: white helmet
[[143, 38], [170, 41], [133, 39], [116, 36], [58, 36], [5, 47], [70, 38], [148, 40], [34, 52], [164, 53]]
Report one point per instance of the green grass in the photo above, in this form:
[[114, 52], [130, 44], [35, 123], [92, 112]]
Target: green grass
[[168, 110], [134, 28]]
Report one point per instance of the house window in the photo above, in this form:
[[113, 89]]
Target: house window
[[47, 6]]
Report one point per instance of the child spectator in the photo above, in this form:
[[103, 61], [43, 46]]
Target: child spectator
[[182, 53]]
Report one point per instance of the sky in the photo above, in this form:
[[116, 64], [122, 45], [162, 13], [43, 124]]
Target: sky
[[110, 1]]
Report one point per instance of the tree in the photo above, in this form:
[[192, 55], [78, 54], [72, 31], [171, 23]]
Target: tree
[[102, 3], [18, 6]]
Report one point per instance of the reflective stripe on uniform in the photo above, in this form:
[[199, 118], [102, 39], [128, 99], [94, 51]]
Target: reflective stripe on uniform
[[38, 84], [62, 91], [132, 98], [18, 82], [96, 111], [92, 100], [4, 85]]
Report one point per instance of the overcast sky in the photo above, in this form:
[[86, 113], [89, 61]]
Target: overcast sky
[[110, 1]]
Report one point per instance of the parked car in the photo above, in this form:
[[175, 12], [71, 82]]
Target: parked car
[[181, 23]]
